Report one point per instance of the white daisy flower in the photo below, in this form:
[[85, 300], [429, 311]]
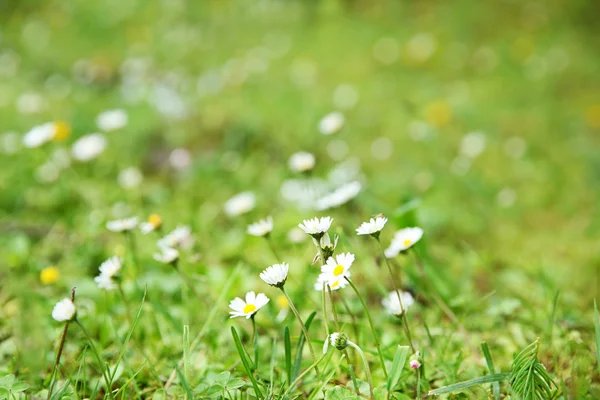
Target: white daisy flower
[[180, 237], [373, 227], [338, 267], [301, 161], [130, 178], [39, 135], [111, 266], [276, 274], [88, 147], [240, 204], [167, 255], [316, 226], [64, 310], [248, 308], [111, 120], [105, 282], [392, 304], [122, 225], [335, 283], [331, 123], [403, 240], [261, 228], [154, 222], [339, 196]]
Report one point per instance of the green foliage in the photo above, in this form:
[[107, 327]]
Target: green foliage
[[11, 386], [397, 366], [529, 379]]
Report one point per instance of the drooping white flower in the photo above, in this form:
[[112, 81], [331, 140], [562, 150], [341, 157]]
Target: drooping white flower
[[249, 307], [337, 340], [111, 266], [301, 161], [167, 255], [403, 240], [316, 226], [337, 268], [122, 225], [105, 282], [391, 303], [88, 147], [374, 226], [240, 204], [154, 222], [111, 120], [39, 135], [261, 228], [339, 196], [64, 310], [331, 123], [180, 237], [276, 274]]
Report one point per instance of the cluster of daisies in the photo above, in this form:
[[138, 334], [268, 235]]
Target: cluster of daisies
[[335, 271]]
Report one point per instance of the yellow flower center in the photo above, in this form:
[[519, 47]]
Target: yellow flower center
[[49, 275], [337, 271], [335, 284], [407, 242], [248, 308], [155, 220], [62, 130]]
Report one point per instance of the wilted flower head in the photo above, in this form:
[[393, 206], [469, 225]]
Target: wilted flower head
[[331, 123], [122, 225], [88, 147], [154, 222], [64, 310], [301, 161], [326, 246], [276, 274], [180, 237], [339, 340], [249, 307], [167, 255], [373, 227], [240, 204], [111, 120], [261, 228], [316, 227], [392, 305], [339, 196], [403, 240]]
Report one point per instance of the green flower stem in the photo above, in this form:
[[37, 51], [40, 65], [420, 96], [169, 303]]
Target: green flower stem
[[98, 358], [324, 298], [304, 330], [272, 247], [404, 319], [125, 302], [254, 340], [301, 376], [186, 279], [375, 336], [352, 316], [366, 363], [57, 362]]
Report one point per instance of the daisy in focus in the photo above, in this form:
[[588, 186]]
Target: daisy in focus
[[64, 310], [261, 228], [403, 240], [337, 268], [316, 227], [392, 305], [373, 227], [154, 222], [249, 307], [122, 225], [276, 274], [240, 204], [334, 283], [301, 162]]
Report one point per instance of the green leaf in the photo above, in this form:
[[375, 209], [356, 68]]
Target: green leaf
[[490, 364], [397, 366], [245, 362], [7, 381], [457, 387], [529, 379], [300, 347], [288, 354], [340, 393], [223, 378], [597, 331]]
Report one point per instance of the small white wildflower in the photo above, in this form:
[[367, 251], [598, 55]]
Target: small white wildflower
[[249, 307], [180, 237], [88, 147], [261, 228], [111, 266], [111, 120], [339, 196], [373, 227], [276, 274], [403, 240], [337, 268], [316, 226], [130, 178], [105, 282], [167, 255], [324, 280], [64, 310], [154, 222], [39, 135], [122, 225], [240, 204], [392, 305], [331, 123], [301, 161]]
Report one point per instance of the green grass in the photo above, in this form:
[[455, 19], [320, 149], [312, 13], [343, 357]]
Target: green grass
[[509, 250]]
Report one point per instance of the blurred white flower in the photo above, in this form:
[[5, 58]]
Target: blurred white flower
[[301, 161], [130, 178], [167, 255], [316, 226], [240, 204], [180, 158], [31, 103], [180, 237], [472, 144], [39, 135], [105, 282], [374, 226], [276, 274], [111, 120], [261, 228], [392, 305], [122, 225], [403, 239], [154, 222], [47, 173], [64, 310], [331, 123], [111, 266], [296, 235], [339, 196], [248, 308], [88, 147]]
